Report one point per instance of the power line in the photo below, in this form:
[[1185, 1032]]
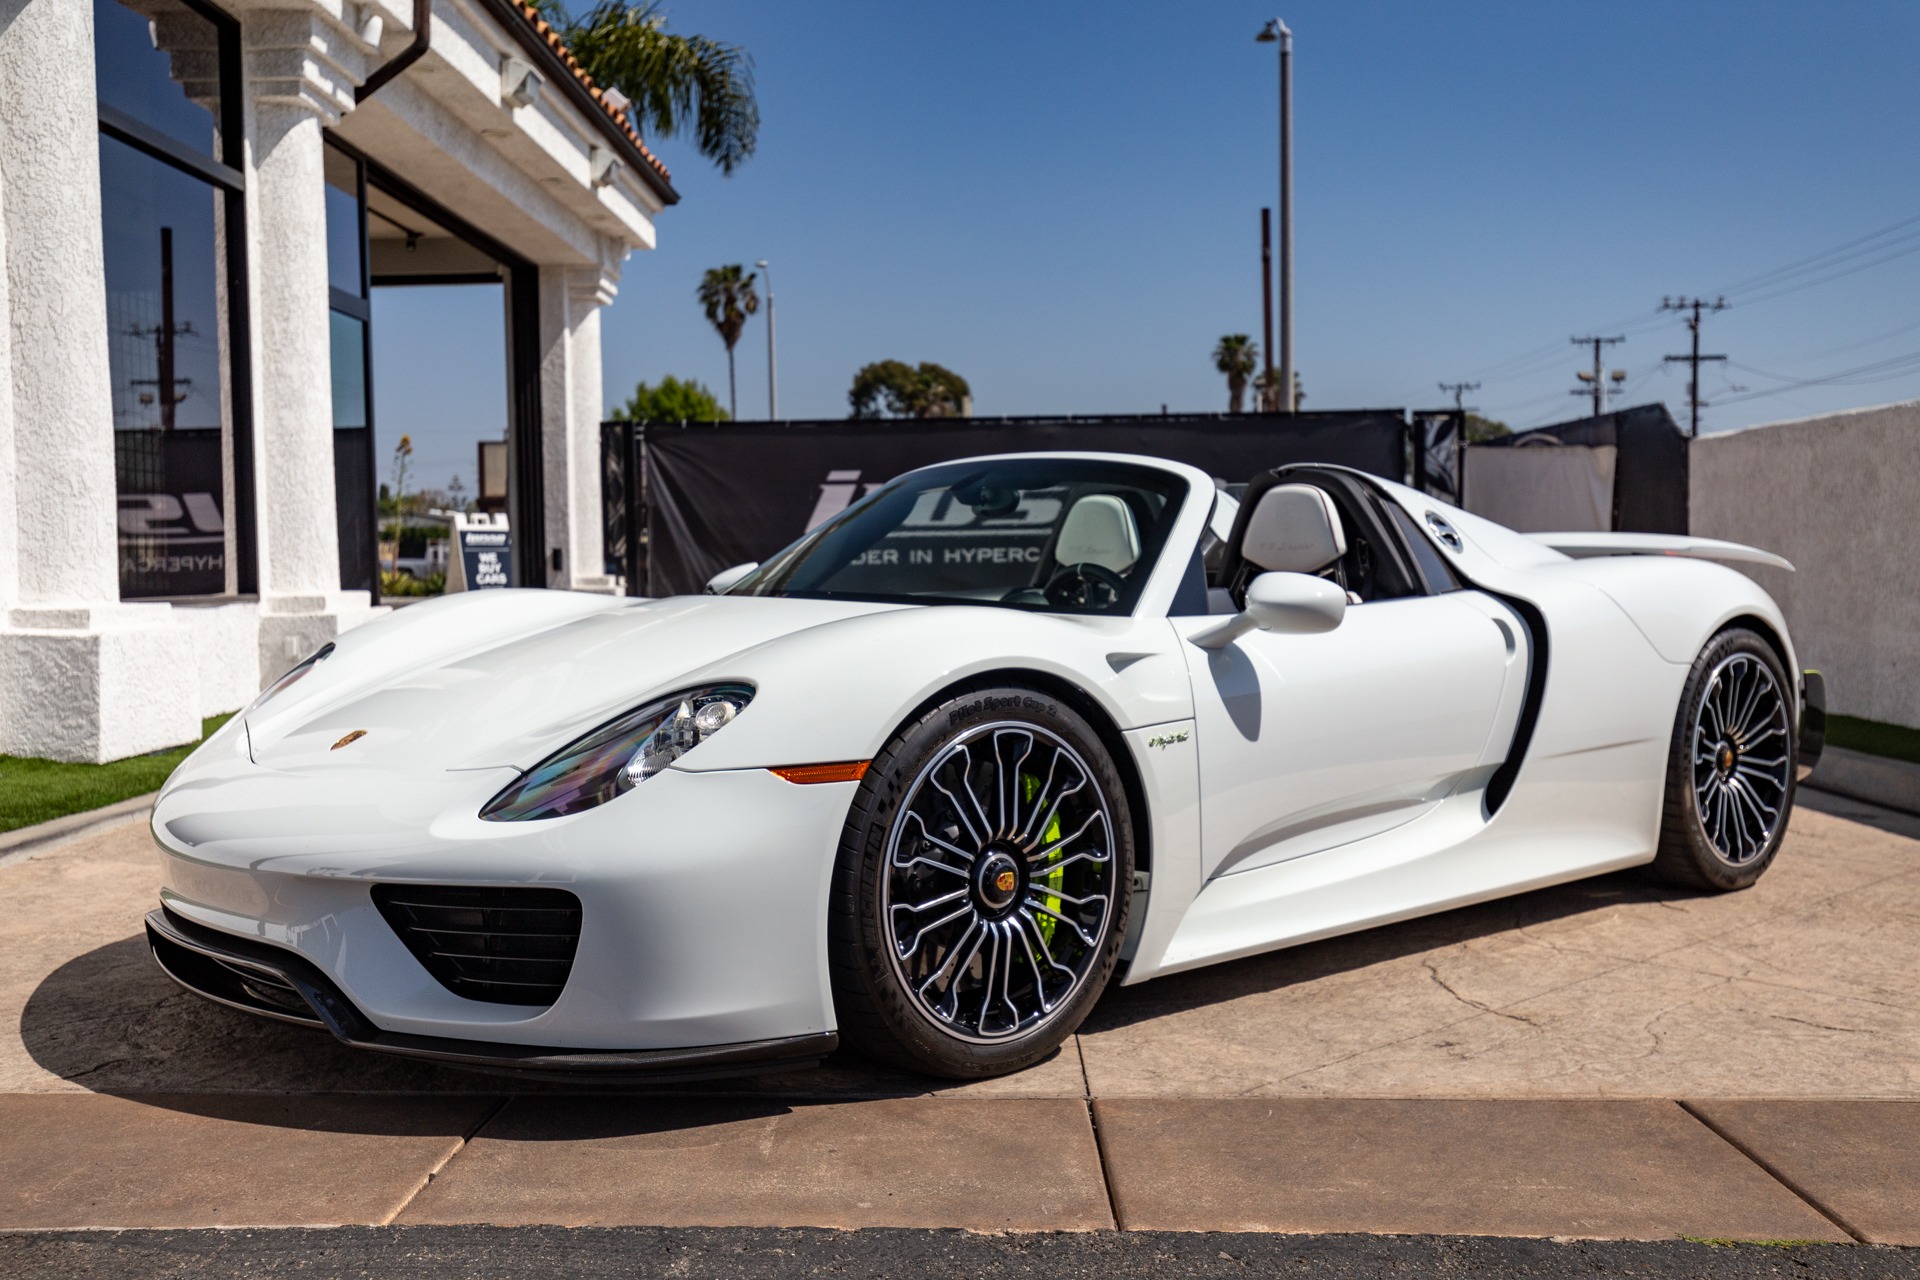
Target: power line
[[1697, 306]]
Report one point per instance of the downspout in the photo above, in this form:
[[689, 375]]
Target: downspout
[[422, 34]]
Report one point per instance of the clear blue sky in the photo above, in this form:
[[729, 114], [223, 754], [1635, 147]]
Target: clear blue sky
[[1061, 202]]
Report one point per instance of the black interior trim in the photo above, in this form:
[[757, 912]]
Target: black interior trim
[[1500, 785]]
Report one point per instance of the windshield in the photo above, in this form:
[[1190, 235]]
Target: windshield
[[1058, 535]]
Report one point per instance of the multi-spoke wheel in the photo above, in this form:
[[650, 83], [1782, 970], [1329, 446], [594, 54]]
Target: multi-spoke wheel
[[983, 886], [1731, 776]]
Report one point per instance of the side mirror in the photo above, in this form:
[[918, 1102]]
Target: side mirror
[[1289, 603], [722, 582]]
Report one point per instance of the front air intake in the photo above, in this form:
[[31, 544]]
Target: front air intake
[[504, 946]]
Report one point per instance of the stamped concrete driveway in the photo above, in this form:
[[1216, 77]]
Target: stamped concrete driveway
[[1804, 986], [1605, 1059]]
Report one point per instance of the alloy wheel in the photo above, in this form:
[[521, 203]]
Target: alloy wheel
[[998, 884], [1742, 758]]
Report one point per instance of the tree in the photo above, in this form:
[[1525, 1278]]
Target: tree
[[895, 389], [1237, 356], [726, 295], [673, 401], [672, 82], [1267, 391], [1481, 429]]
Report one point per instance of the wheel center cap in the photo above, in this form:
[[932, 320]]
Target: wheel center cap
[[996, 880], [1728, 758]]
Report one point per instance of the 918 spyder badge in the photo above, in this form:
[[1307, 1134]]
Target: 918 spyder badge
[[1165, 740]]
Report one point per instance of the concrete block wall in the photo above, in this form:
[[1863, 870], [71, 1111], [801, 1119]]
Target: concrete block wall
[[1839, 496]]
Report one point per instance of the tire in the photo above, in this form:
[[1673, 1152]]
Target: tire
[[947, 874], [1730, 767]]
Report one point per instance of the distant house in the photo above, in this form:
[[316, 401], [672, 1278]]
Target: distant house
[[197, 198]]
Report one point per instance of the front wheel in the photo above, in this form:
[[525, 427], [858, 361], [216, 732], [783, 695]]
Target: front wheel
[[982, 886], [1730, 770]]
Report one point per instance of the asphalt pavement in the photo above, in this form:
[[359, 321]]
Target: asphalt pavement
[[550, 1253]]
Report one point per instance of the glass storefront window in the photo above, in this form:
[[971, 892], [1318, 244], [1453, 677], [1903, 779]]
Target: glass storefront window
[[344, 257], [349, 358], [158, 61], [162, 235]]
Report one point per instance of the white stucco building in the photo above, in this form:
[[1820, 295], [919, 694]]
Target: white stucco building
[[197, 198]]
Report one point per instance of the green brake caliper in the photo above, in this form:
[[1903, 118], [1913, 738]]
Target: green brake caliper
[[1030, 785]]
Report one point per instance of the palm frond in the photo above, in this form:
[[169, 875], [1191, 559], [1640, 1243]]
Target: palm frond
[[677, 84]]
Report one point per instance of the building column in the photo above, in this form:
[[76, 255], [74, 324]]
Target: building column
[[83, 676], [301, 69], [571, 412]]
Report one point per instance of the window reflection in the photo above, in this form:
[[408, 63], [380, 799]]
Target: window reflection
[[159, 62], [349, 357], [343, 223], [162, 241]]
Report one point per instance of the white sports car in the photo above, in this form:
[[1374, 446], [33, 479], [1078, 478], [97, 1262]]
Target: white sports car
[[928, 780]]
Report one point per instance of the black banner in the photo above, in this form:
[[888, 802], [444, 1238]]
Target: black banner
[[173, 532], [721, 494], [1650, 469]]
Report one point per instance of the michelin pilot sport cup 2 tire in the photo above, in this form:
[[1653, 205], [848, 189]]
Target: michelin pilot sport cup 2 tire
[[982, 887], [1730, 766]]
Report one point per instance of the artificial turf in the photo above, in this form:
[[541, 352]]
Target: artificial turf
[[33, 790]]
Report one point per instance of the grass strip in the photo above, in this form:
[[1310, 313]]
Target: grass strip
[[34, 790], [1871, 736]]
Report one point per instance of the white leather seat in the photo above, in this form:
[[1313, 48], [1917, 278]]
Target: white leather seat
[[1100, 530], [1294, 529]]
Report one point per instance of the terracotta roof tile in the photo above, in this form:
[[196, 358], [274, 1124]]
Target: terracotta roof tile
[[559, 46]]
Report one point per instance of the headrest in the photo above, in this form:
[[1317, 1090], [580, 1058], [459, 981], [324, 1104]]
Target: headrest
[[1099, 529], [1295, 529]]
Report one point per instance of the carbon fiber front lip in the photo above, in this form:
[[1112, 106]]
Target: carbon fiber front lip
[[169, 934]]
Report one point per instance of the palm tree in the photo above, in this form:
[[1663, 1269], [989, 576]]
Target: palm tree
[[672, 82], [727, 296], [1237, 357]]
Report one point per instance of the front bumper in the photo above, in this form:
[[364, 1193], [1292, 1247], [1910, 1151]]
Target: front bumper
[[703, 897], [261, 979]]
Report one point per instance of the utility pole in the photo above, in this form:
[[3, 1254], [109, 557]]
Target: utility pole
[[1271, 396], [1458, 390], [1698, 307], [1276, 32], [1599, 375], [773, 372]]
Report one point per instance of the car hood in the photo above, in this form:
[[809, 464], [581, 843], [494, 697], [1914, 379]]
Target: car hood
[[513, 702]]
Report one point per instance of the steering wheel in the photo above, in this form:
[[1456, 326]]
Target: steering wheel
[[1085, 585]]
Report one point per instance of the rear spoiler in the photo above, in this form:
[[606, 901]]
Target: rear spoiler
[[1582, 545]]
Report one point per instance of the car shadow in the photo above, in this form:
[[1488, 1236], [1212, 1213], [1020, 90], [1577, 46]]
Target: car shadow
[[112, 1023], [1309, 962]]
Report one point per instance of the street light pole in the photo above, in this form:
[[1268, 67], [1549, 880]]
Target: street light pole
[[1276, 32], [773, 372]]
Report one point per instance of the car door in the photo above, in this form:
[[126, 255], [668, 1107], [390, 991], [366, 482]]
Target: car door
[[1309, 742]]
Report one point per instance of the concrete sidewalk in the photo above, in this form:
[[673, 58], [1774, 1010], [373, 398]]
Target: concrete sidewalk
[[1600, 1060]]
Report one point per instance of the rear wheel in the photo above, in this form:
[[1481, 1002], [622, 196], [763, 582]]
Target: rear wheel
[[1730, 770], [981, 891]]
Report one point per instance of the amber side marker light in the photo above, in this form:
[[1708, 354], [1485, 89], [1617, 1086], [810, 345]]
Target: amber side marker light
[[846, 771]]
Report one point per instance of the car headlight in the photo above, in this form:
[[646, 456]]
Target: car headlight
[[619, 755]]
